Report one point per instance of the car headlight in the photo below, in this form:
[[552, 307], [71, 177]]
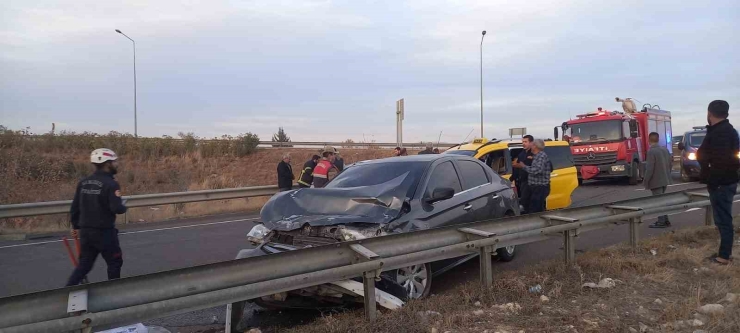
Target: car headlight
[[258, 234], [692, 156]]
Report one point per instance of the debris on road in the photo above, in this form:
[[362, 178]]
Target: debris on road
[[544, 299], [654, 252]]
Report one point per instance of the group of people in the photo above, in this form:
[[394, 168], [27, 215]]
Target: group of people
[[531, 176], [429, 149], [98, 199], [315, 171]]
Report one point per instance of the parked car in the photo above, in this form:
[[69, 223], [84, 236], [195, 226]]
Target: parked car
[[499, 154], [375, 198], [689, 144]]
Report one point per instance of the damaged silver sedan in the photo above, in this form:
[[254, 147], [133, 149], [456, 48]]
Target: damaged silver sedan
[[375, 198]]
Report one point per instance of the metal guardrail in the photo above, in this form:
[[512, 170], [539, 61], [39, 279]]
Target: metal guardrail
[[135, 299], [352, 144], [144, 200]]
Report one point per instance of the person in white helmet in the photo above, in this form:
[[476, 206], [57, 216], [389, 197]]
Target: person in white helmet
[[93, 215]]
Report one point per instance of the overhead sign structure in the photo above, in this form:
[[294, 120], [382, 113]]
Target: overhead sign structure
[[521, 131], [399, 122]]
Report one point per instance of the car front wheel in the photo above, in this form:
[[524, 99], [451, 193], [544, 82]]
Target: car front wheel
[[506, 254], [416, 279]]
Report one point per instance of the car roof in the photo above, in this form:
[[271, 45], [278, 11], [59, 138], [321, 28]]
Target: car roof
[[417, 158]]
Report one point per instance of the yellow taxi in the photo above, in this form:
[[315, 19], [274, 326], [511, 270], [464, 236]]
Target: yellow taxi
[[500, 154]]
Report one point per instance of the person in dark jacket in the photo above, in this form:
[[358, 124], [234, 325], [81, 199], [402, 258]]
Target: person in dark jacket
[[519, 175], [93, 217], [718, 157], [306, 178], [658, 165], [338, 161], [429, 149], [285, 174]]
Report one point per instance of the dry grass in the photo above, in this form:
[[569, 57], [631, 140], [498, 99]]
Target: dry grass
[[33, 176], [678, 275]]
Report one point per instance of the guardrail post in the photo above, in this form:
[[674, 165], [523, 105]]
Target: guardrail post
[[569, 246], [486, 266], [709, 215], [634, 232], [368, 280]]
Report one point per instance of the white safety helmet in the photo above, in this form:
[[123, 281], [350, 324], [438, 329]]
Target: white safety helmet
[[102, 155]]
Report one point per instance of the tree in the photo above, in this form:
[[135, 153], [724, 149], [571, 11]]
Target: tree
[[280, 136]]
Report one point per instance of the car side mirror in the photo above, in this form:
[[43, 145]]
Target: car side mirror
[[441, 194], [681, 146]]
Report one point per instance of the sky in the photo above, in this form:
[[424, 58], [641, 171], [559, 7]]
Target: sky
[[333, 70]]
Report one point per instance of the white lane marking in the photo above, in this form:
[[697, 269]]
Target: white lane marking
[[682, 184], [140, 231]]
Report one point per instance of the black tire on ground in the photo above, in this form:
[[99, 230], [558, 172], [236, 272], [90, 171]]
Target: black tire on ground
[[506, 254], [634, 174]]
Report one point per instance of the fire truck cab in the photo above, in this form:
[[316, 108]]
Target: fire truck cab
[[613, 144]]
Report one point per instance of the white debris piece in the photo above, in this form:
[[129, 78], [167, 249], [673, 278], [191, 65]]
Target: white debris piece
[[478, 312], [604, 283], [711, 309], [654, 252], [658, 301], [478, 304], [138, 328], [544, 299], [695, 322], [509, 307]]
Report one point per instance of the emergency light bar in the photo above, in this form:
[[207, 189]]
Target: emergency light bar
[[600, 113]]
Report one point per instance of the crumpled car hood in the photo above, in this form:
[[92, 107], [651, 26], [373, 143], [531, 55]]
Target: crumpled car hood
[[291, 210]]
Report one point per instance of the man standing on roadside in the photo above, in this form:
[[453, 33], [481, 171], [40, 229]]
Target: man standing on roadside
[[429, 149], [519, 176], [397, 151], [321, 172], [306, 178], [338, 161], [285, 174], [658, 173], [93, 216], [538, 177], [718, 157]]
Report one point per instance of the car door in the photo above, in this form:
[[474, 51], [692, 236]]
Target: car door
[[478, 192], [445, 212], [564, 177]]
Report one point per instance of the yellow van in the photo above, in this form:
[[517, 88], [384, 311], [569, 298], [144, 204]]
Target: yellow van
[[499, 155]]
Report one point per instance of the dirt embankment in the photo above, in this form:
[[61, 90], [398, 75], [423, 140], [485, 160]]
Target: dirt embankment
[[661, 292], [33, 176]]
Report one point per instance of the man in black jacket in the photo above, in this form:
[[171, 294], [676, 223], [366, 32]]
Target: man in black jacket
[[93, 215], [306, 178], [285, 174], [519, 176], [718, 157]]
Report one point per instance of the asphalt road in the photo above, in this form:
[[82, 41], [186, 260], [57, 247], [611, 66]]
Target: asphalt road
[[40, 264]]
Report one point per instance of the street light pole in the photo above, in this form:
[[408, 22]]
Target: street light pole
[[481, 83], [136, 132]]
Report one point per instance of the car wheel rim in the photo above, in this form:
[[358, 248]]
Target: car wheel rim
[[414, 279], [509, 250]]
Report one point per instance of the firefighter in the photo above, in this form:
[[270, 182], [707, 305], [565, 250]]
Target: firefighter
[[321, 171], [93, 216], [306, 178]]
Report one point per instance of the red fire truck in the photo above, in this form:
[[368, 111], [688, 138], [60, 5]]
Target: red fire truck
[[612, 144]]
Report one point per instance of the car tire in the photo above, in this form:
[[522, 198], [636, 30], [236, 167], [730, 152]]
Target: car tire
[[634, 174], [416, 279], [506, 254]]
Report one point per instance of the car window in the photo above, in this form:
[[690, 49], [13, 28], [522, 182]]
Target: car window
[[560, 157], [378, 173], [695, 139], [496, 160], [444, 175], [473, 174]]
